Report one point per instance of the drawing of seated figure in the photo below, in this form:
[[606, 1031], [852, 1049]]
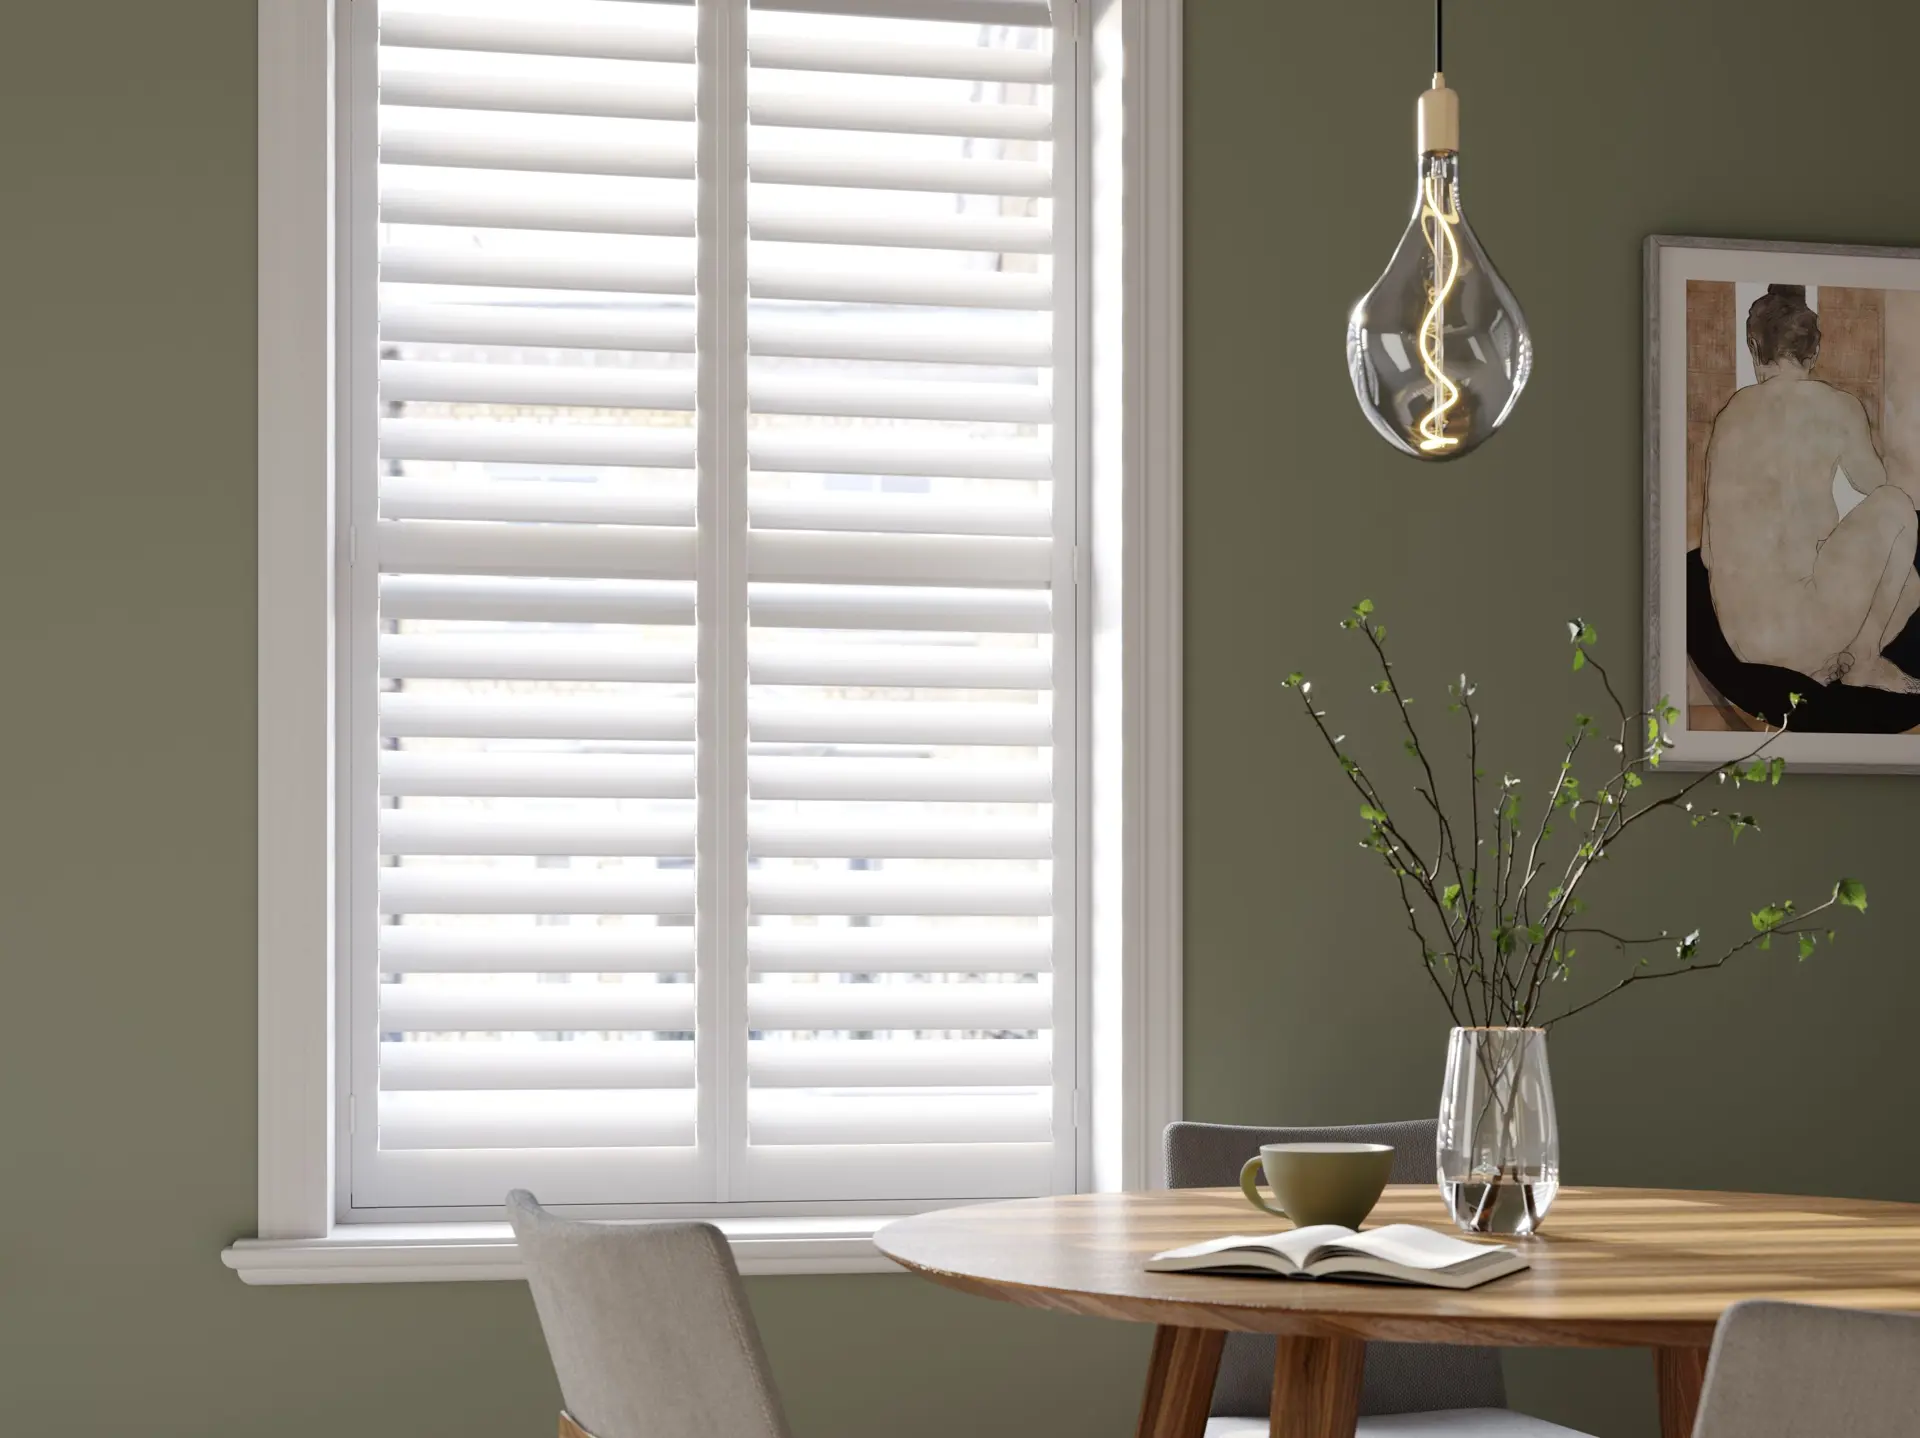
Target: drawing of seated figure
[[1809, 549]]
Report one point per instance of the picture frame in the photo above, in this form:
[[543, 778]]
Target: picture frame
[[1734, 626]]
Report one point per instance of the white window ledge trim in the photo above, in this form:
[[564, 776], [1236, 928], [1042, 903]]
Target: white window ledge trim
[[1134, 50], [485, 1252]]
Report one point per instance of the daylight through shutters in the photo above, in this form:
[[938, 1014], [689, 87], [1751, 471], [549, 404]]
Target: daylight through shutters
[[710, 604]]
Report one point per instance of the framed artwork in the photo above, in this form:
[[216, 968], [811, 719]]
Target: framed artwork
[[1783, 500]]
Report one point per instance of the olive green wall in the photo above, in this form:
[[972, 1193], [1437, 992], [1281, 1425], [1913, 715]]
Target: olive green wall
[[126, 819]]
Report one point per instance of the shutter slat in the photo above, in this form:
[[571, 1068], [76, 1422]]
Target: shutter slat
[[539, 1008], [537, 327], [879, 893], [792, 110], [942, 560], [609, 551], [521, 1064], [900, 780], [490, 210], [956, 232], [410, 497], [418, 831], [1016, 611], [895, 950], [509, 442], [626, 949], [414, 889], [543, 36], [895, 1063], [442, 149], [545, 656], [536, 776], [880, 722], [653, 99], [409, 716], [788, 838], [418, 265], [979, 289], [965, 1004], [877, 666], [901, 514], [884, 57], [776, 1118], [775, 166], [998, 340], [537, 385], [537, 1120], [791, 451], [538, 601], [1010, 404]]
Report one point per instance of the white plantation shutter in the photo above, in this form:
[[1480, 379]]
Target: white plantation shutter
[[710, 603]]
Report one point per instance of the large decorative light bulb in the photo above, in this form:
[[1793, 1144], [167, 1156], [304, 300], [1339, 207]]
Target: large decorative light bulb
[[1438, 349]]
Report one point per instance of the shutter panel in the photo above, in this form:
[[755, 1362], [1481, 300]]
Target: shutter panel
[[904, 1035], [534, 546], [709, 604]]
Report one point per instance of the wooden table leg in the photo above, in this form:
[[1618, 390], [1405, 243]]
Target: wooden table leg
[[1679, 1372], [1180, 1382], [1316, 1387]]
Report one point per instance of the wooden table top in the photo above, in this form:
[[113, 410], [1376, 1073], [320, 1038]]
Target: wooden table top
[[1614, 1267]]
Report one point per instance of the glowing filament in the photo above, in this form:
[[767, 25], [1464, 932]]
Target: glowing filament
[[1437, 219]]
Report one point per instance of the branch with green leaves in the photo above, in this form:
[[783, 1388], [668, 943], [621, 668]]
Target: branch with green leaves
[[1497, 929]]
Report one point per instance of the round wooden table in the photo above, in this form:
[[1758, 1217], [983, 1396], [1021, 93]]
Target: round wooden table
[[1616, 1267]]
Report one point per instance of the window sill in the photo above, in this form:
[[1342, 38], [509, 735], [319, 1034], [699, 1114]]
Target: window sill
[[472, 1252]]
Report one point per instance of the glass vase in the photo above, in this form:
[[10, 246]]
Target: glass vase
[[1499, 1149]]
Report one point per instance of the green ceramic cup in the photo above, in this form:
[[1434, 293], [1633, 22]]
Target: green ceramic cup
[[1319, 1182]]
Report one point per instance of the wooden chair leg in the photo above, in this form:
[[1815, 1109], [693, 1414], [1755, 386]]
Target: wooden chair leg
[[571, 1429], [1316, 1387], [1180, 1382], [1679, 1374]]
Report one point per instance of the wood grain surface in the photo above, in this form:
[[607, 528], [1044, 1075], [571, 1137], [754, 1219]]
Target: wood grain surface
[[1614, 1268]]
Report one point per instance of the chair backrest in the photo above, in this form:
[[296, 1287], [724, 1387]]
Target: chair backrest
[[1793, 1370], [1400, 1377], [648, 1326]]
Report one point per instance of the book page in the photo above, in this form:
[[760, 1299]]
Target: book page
[[1294, 1246], [1411, 1246]]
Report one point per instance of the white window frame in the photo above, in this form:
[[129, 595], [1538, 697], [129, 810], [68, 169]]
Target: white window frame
[[1128, 54]]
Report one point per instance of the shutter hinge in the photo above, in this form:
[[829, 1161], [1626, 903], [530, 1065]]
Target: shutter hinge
[[353, 546], [1081, 578], [1066, 17]]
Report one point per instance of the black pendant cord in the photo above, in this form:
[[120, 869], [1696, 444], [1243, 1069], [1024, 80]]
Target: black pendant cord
[[1439, 37]]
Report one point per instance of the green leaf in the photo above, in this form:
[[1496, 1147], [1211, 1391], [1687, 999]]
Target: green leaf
[[1806, 946], [1688, 947], [1794, 701], [1450, 896], [1382, 686], [1852, 893], [1373, 815], [1634, 781], [1293, 680], [1771, 917], [1579, 659], [1363, 608], [1779, 768]]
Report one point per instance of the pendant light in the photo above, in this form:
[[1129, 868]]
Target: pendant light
[[1438, 349]]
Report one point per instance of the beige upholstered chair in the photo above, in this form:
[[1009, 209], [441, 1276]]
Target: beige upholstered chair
[[1423, 1390], [1792, 1370], [648, 1326]]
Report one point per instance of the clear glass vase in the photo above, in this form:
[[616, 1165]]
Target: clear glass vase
[[1499, 1149]]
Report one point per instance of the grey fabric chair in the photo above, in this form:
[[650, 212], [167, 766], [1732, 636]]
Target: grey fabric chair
[[1429, 1389], [648, 1327], [1792, 1370]]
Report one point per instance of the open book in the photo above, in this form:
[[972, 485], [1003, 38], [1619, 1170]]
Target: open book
[[1397, 1253]]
